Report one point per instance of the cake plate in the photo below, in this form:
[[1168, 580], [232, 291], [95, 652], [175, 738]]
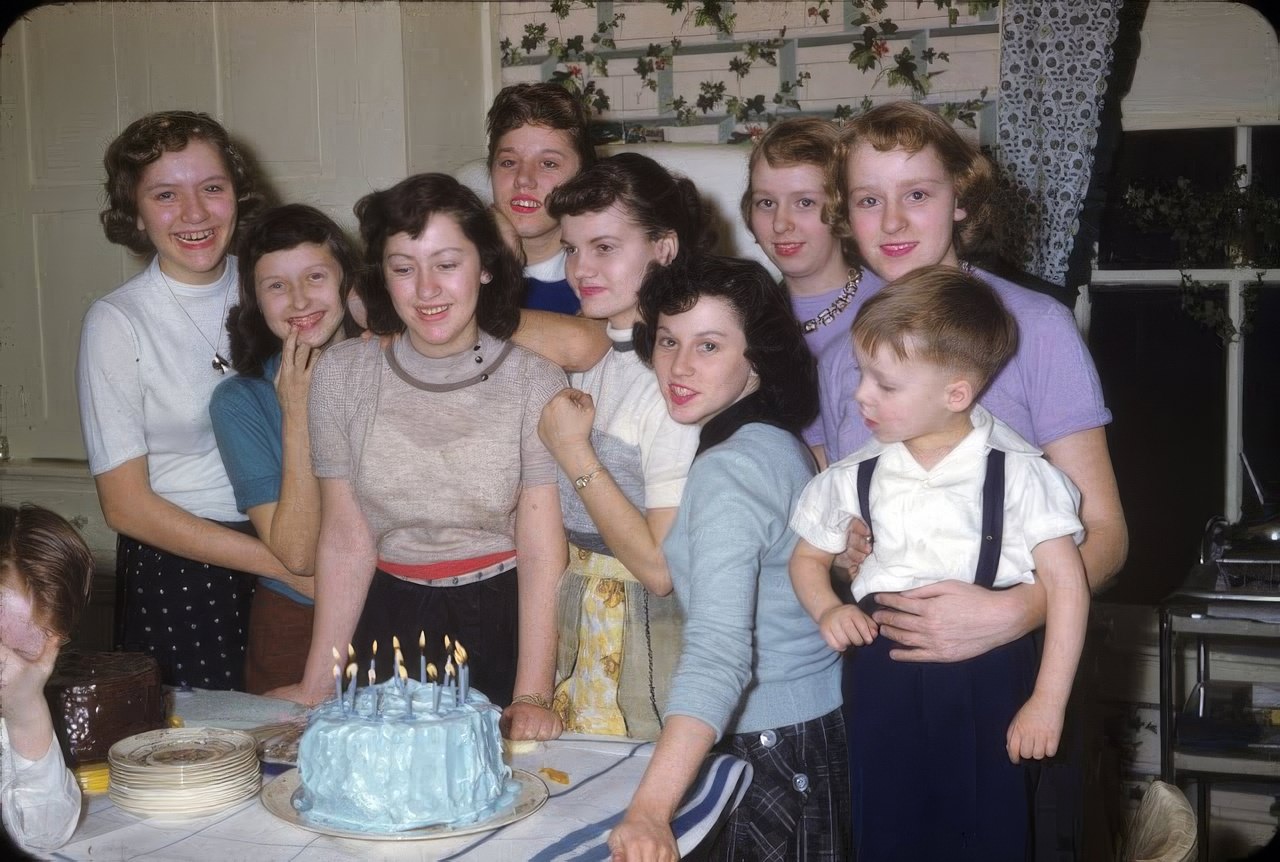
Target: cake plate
[[278, 799]]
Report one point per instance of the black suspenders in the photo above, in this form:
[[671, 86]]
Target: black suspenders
[[992, 513]]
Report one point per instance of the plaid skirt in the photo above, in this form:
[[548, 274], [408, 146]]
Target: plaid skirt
[[797, 807]]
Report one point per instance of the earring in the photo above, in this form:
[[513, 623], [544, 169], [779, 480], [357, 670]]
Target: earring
[[485, 278]]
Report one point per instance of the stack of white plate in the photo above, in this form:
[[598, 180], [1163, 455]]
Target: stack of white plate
[[183, 771]]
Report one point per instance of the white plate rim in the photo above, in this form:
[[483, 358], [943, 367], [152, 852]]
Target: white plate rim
[[277, 797]]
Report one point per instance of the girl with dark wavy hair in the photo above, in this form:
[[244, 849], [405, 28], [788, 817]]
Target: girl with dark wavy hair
[[622, 458], [437, 498], [297, 270], [151, 353], [755, 678]]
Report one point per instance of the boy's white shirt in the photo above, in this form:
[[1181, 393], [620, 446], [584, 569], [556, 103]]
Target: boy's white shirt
[[551, 269], [40, 799], [927, 524]]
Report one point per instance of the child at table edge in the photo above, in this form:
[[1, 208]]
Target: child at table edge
[[45, 573]]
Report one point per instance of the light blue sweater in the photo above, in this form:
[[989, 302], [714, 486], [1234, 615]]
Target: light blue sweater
[[752, 659]]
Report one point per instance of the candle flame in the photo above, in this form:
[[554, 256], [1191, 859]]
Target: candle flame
[[446, 643], [337, 671], [422, 640], [351, 670], [395, 642], [431, 671], [375, 647], [460, 652], [404, 673], [448, 667], [336, 657], [351, 652]]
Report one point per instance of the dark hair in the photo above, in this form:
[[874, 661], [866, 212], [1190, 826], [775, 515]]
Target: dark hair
[[406, 208], [51, 561], [279, 229], [776, 348], [653, 198], [913, 127], [941, 315], [144, 141], [540, 104]]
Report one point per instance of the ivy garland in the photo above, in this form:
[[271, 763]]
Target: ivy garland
[[584, 59]]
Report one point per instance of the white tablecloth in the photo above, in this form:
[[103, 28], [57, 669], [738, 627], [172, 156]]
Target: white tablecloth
[[572, 825]]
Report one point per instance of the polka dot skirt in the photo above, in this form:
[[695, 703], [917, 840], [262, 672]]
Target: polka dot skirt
[[192, 617]]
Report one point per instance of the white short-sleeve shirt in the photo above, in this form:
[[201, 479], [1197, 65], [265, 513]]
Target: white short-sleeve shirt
[[927, 524]]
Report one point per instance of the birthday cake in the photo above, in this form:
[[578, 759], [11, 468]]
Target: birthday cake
[[403, 755]]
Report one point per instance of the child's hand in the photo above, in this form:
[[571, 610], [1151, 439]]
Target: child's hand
[[1035, 731], [845, 625]]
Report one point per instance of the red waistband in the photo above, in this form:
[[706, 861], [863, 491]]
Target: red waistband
[[446, 569]]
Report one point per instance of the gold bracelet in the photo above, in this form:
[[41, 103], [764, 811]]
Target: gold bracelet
[[538, 700], [585, 479]]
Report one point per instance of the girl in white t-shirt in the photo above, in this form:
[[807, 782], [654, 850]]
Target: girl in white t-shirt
[[151, 353]]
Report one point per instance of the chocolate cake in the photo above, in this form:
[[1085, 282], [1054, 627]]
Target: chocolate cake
[[99, 698]]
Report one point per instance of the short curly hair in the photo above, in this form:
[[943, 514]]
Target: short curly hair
[[144, 141], [792, 142], [776, 347], [913, 127], [406, 208], [544, 104]]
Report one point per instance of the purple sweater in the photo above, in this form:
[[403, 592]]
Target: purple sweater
[[1048, 390]]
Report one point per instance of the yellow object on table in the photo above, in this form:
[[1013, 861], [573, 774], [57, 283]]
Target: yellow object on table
[[92, 777], [175, 720]]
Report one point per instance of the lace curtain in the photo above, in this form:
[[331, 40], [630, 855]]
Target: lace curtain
[[1054, 59]]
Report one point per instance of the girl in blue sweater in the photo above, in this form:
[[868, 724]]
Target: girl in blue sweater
[[754, 678]]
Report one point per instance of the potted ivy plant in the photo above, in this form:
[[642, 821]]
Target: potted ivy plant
[[1235, 225]]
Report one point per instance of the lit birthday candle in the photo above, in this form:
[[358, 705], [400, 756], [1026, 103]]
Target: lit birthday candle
[[435, 689], [352, 670], [450, 676], [337, 686], [422, 657], [396, 659], [372, 673], [404, 689], [464, 671], [373, 691]]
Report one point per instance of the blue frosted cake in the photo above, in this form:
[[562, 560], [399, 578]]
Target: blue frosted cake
[[387, 765]]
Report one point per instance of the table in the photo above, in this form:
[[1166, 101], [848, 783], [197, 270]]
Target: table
[[1198, 609], [572, 825]]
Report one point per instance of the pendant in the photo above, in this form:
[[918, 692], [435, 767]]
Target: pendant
[[219, 364]]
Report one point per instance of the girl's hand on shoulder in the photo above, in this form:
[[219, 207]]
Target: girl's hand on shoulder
[[530, 721], [639, 838], [565, 424], [293, 380], [1035, 731]]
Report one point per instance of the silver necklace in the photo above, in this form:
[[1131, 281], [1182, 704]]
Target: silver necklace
[[219, 364], [839, 304]]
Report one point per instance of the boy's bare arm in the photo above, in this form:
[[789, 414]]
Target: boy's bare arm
[[811, 579], [1060, 568]]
